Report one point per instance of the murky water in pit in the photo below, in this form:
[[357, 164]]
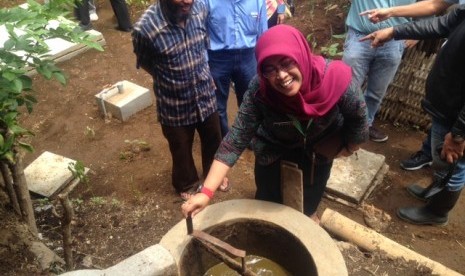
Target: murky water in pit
[[259, 265]]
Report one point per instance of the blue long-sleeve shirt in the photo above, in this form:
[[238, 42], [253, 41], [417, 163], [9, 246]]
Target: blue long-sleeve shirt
[[235, 24]]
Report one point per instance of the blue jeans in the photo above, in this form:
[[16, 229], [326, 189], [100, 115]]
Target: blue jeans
[[238, 66], [438, 132], [377, 65], [426, 146]]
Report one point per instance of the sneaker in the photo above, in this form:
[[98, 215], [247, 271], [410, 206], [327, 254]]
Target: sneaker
[[416, 161], [377, 135], [93, 16]]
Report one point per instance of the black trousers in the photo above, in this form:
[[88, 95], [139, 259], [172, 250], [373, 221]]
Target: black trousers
[[268, 179], [119, 7], [180, 139]]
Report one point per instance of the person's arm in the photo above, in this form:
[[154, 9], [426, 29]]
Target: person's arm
[[199, 201], [437, 27], [263, 21], [353, 108], [234, 143], [417, 9], [144, 52]]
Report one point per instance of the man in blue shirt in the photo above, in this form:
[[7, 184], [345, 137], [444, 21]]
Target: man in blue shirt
[[234, 27], [170, 42], [378, 66]]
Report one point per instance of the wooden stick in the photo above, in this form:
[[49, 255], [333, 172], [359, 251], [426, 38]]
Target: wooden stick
[[230, 262], [66, 220]]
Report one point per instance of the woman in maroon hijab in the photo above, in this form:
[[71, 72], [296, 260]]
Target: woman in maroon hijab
[[300, 108]]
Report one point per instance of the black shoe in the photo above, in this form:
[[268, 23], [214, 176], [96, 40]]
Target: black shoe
[[421, 216], [416, 161], [127, 30], [417, 191], [377, 135]]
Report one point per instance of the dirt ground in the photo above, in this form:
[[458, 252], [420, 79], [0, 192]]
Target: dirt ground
[[129, 203]]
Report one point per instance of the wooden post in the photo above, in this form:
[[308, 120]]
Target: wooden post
[[66, 219], [292, 186]]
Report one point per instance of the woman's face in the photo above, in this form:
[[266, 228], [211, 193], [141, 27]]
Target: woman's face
[[282, 74]]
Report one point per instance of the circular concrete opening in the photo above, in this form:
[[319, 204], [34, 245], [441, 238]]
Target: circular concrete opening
[[256, 237], [266, 229]]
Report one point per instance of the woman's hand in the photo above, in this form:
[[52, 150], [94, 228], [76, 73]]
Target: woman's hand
[[348, 150], [195, 204]]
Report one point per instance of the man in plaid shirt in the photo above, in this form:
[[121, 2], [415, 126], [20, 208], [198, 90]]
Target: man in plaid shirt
[[170, 42]]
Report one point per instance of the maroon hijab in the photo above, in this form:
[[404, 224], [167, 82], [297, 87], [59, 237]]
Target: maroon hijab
[[320, 90]]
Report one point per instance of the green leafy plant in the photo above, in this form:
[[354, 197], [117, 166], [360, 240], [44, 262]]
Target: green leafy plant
[[331, 50], [98, 200], [312, 41], [89, 132], [25, 51], [79, 171]]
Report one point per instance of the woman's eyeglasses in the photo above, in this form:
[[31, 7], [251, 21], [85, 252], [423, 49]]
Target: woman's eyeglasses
[[270, 71]]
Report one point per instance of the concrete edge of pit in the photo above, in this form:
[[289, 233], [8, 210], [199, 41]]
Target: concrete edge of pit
[[328, 259]]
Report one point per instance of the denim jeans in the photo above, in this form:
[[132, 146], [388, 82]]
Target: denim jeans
[[377, 65], [438, 132], [238, 66], [426, 146]]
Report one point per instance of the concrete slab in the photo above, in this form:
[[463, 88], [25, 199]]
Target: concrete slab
[[152, 261], [49, 174], [353, 178], [123, 99]]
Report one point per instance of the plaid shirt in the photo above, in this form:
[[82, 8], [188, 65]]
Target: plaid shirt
[[176, 59]]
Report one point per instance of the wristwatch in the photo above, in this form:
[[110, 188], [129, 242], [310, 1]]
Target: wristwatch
[[458, 138]]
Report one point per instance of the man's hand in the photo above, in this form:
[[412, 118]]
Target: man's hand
[[410, 43], [195, 204], [348, 150], [281, 18], [452, 150], [379, 37], [377, 15]]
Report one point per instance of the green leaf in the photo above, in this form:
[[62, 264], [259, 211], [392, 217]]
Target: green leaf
[[9, 75], [26, 146], [9, 156], [59, 76], [2, 141], [9, 44], [17, 85]]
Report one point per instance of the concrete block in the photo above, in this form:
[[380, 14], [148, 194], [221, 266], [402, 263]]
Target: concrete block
[[352, 178], [152, 261], [49, 174], [123, 99]]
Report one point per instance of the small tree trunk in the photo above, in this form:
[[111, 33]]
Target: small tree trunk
[[9, 187], [25, 202], [66, 219]]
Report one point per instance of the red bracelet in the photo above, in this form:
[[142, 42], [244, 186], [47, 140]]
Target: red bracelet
[[207, 192]]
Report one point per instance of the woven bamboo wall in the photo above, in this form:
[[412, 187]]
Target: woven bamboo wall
[[402, 103]]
